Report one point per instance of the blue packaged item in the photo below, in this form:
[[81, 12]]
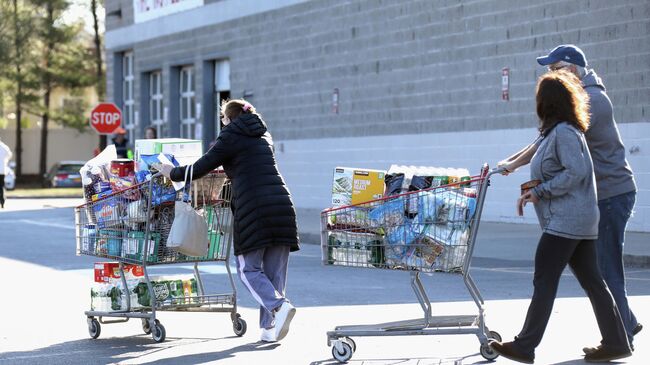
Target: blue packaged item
[[88, 238], [112, 240], [389, 214], [102, 186], [162, 192], [430, 207], [142, 176], [145, 162]]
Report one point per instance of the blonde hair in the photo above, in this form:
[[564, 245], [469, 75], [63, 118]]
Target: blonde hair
[[235, 107]]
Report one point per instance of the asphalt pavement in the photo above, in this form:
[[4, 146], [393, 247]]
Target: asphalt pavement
[[43, 321]]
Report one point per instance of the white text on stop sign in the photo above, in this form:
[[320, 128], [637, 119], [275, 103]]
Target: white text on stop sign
[[105, 118]]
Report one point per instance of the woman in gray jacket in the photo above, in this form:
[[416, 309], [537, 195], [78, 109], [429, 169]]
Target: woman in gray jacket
[[567, 209]]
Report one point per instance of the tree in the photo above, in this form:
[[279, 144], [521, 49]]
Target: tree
[[65, 62], [18, 65]]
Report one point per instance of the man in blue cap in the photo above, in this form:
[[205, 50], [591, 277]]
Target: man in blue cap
[[614, 181]]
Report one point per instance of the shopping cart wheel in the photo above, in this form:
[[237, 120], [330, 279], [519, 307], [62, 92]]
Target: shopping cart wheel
[[94, 329], [494, 335], [158, 332], [352, 343], [344, 354], [488, 353], [146, 328], [239, 326]]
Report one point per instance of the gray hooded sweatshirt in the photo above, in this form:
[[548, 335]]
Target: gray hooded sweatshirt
[[567, 206], [613, 173]]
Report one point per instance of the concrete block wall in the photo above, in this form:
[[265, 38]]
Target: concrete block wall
[[308, 165], [404, 69]]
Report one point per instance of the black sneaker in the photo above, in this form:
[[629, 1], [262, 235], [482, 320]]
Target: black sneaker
[[637, 329]]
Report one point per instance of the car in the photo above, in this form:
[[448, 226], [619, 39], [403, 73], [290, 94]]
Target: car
[[10, 176], [64, 174]]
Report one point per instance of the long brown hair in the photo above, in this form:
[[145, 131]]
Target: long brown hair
[[235, 107], [561, 98]]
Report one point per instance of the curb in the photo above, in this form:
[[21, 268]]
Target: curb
[[639, 261]]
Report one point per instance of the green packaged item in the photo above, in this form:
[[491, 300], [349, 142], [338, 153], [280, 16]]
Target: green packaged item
[[166, 289], [134, 246]]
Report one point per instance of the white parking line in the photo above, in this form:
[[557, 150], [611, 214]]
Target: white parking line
[[41, 223]]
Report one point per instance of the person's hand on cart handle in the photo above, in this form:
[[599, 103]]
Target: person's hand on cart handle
[[528, 196], [164, 169], [506, 167]]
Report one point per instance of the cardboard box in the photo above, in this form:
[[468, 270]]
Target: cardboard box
[[106, 272], [186, 151], [354, 186]]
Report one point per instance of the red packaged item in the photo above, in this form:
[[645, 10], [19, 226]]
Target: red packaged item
[[122, 167], [108, 271]]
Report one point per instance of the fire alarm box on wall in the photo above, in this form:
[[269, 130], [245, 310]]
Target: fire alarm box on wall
[[505, 84]]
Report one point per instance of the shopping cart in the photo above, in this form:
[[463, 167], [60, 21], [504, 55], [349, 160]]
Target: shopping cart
[[431, 230], [131, 226]]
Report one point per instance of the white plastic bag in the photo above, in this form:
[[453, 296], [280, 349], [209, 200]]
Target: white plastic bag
[[189, 231]]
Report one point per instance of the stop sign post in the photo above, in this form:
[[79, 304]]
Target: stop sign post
[[105, 118]]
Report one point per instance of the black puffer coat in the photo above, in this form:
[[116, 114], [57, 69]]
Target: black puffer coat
[[264, 214]]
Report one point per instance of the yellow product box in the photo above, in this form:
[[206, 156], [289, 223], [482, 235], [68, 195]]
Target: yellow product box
[[353, 186]]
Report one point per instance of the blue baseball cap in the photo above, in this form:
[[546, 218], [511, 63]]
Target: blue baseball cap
[[565, 52]]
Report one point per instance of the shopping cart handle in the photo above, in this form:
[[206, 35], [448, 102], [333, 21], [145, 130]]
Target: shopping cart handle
[[497, 170]]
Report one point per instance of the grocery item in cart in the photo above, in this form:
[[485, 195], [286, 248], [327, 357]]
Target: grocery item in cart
[[460, 208], [430, 207], [389, 213], [122, 167], [167, 289], [108, 212], [355, 249], [134, 246], [350, 217], [88, 238], [109, 242], [110, 271], [394, 183], [397, 239], [186, 151], [353, 185]]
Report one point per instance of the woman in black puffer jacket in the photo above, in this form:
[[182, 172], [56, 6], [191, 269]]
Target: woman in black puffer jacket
[[265, 228]]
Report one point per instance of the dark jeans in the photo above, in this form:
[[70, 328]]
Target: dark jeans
[[553, 254], [614, 214]]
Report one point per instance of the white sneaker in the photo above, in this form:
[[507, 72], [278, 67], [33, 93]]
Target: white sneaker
[[283, 318], [268, 335]]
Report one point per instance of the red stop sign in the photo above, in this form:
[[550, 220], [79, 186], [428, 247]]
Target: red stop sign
[[105, 118]]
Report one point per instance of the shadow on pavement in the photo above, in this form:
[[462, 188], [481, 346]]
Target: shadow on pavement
[[411, 360], [116, 350]]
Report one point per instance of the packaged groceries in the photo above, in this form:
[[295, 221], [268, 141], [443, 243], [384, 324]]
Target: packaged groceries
[[353, 186], [175, 290], [186, 151], [111, 295], [107, 271]]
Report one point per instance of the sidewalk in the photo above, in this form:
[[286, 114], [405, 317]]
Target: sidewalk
[[505, 241]]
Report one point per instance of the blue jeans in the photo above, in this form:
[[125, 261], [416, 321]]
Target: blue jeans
[[614, 214]]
